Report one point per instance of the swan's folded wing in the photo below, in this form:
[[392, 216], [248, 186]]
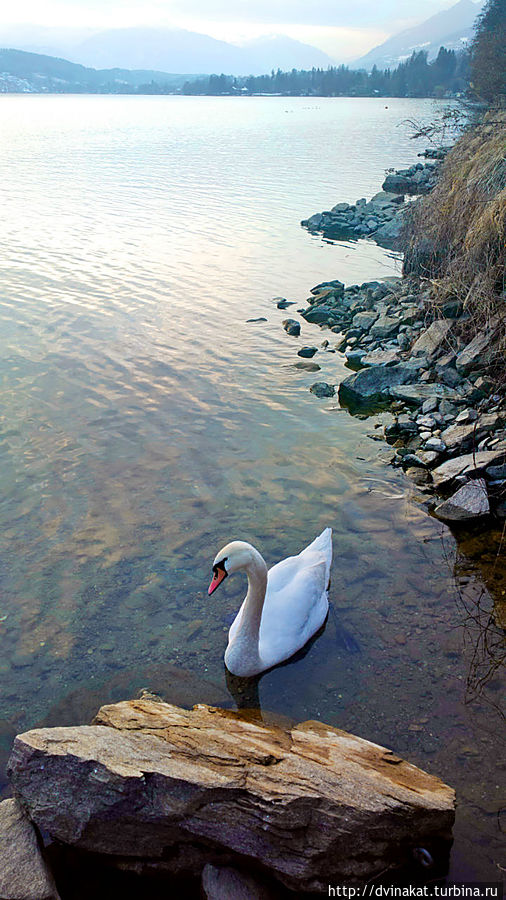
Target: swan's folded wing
[[292, 614], [283, 573], [287, 569]]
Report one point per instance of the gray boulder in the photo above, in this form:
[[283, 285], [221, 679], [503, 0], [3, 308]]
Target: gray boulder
[[335, 286], [389, 234], [281, 303], [24, 874], [385, 326], [292, 327], [431, 340], [380, 358], [364, 320], [468, 464], [385, 199], [355, 357], [414, 461], [463, 437], [396, 184], [322, 389], [373, 384], [478, 353], [469, 502], [427, 456], [416, 394], [320, 315], [307, 366], [410, 314], [435, 444], [313, 222]]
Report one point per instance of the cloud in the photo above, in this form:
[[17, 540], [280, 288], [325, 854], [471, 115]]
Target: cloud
[[335, 13], [340, 27]]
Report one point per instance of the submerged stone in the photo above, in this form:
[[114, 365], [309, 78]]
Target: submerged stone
[[292, 327], [307, 352], [322, 389], [307, 366], [282, 303]]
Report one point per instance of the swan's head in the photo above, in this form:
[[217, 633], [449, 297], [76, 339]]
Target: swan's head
[[236, 555]]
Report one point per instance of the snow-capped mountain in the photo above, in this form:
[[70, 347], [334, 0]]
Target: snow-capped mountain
[[453, 28]]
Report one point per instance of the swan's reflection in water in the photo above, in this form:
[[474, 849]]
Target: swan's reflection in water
[[245, 691]]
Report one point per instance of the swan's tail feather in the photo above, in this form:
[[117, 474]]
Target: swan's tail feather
[[322, 544]]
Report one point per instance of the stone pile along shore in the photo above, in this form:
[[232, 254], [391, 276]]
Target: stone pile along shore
[[449, 417], [153, 789], [383, 216]]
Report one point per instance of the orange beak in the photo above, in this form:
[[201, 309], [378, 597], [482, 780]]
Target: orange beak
[[218, 577]]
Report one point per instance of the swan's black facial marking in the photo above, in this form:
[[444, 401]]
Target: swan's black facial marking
[[219, 574], [220, 567]]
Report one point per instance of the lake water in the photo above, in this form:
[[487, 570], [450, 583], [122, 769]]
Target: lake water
[[145, 422]]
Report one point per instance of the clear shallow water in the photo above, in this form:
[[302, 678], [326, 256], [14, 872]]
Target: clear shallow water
[[145, 422]]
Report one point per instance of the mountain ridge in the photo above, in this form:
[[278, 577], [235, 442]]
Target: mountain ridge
[[167, 49], [452, 28]]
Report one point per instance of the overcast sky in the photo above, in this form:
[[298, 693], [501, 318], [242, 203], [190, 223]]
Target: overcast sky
[[342, 28]]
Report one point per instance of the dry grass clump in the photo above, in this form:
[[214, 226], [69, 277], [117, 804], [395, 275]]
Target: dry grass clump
[[457, 234]]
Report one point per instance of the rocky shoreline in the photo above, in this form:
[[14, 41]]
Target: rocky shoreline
[[383, 216], [417, 359]]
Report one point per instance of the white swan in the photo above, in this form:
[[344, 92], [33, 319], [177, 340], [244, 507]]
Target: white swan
[[283, 608]]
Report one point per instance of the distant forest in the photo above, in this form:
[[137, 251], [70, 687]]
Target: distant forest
[[447, 75]]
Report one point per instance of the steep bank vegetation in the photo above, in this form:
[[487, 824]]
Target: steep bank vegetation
[[457, 234]]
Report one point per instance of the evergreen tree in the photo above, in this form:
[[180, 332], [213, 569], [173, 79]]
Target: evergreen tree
[[488, 52], [415, 77]]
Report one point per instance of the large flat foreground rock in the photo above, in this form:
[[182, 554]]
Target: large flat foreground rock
[[313, 804]]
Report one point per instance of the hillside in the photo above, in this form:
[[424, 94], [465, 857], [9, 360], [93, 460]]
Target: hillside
[[36, 73], [453, 28]]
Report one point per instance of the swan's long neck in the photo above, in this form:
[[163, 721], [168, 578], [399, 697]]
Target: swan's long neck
[[256, 570]]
